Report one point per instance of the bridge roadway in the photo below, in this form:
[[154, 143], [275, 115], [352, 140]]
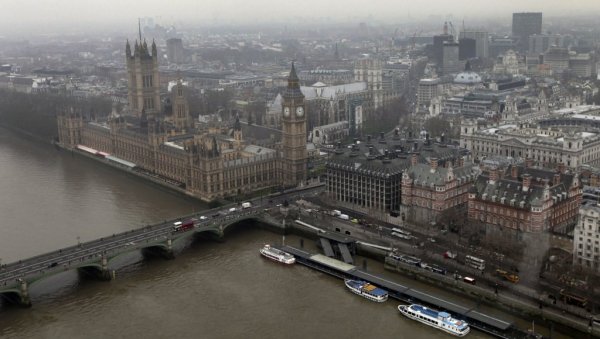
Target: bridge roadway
[[92, 257]]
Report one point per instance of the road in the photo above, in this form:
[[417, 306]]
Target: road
[[64, 258]]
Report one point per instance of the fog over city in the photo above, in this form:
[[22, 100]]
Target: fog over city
[[441, 153], [21, 17]]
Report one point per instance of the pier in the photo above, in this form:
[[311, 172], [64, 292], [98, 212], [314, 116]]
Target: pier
[[477, 320]]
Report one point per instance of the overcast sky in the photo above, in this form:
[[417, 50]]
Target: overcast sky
[[39, 15]]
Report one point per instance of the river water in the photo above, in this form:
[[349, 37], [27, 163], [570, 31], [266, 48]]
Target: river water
[[51, 199]]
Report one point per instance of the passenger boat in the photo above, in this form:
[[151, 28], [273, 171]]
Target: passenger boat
[[367, 290], [277, 255], [433, 318]]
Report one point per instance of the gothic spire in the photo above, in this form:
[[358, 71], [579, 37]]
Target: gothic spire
[[128, 49], [293, 76], [293, 87]]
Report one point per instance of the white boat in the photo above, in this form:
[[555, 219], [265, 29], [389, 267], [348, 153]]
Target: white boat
[[366, 290], [433, 318], [277, 255]]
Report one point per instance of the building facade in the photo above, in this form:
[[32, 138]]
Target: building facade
[[546, 146], [430, 190], [294, 133], [368, 176], [212, 163], [525, 25], [450, 60], [482, 42], [142, 72], [525, 199], [175, 50], [586, 238]]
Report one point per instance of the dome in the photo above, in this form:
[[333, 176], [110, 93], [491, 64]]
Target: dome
[[467, 77]]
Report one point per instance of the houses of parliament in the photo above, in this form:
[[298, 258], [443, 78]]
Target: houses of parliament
[[209, 162]]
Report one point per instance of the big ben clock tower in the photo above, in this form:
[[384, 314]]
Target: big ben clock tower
[[294, 133]]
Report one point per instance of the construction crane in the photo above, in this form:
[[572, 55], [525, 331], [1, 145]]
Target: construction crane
[[414, 39], [452, 31]]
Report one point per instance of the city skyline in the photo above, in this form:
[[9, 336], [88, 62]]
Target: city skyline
[[45, 17]]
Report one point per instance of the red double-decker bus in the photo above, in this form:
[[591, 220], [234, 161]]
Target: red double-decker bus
[[180, 226]]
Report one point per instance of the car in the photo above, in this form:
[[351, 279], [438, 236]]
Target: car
[[431, 239], [54, 264], [203, 217]]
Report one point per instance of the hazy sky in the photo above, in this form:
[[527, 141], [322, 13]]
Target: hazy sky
[[39, 15]]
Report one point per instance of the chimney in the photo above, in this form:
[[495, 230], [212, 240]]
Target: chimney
[[493, 175], [433, 162], [556, 179], [562, 168], [514, 171], [528, 163], [526, 182], [413, 159], [461, 162]]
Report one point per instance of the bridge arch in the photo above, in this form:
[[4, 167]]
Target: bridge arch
[[11, 296]]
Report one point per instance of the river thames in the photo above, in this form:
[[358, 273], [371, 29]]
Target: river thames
[[52, 199]]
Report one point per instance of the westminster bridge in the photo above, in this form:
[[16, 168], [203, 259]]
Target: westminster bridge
[[93, 257]]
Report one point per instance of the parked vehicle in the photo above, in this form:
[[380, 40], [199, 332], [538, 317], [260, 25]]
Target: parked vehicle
[[469, 280], [246, 205], [475, 262], [513, 278], [449, 255], [344, 216]]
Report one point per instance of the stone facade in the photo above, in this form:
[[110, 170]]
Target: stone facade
[[586, 238], [212, 163], [368, 176], [546, 146]]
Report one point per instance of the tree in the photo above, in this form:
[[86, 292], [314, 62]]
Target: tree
[[256, 109], [386, 117], [437, 126]]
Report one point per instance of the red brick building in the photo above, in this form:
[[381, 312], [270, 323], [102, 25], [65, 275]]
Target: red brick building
[[430, 189], [525, 199]]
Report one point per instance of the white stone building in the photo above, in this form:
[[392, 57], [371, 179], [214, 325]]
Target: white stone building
[[586, 238]]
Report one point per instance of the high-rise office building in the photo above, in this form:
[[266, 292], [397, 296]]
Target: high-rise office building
[[438, 46], [540, 43], [450, 62], [525, 25], [175, 50], [482, 43], [467, 48]]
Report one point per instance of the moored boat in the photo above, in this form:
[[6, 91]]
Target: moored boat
[[277, 255], [366, 290], [440, 320]]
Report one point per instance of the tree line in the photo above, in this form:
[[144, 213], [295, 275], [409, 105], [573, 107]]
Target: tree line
[[36, 113]]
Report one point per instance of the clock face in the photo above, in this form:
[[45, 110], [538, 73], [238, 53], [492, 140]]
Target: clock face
[[299, 111], [286, 111]]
